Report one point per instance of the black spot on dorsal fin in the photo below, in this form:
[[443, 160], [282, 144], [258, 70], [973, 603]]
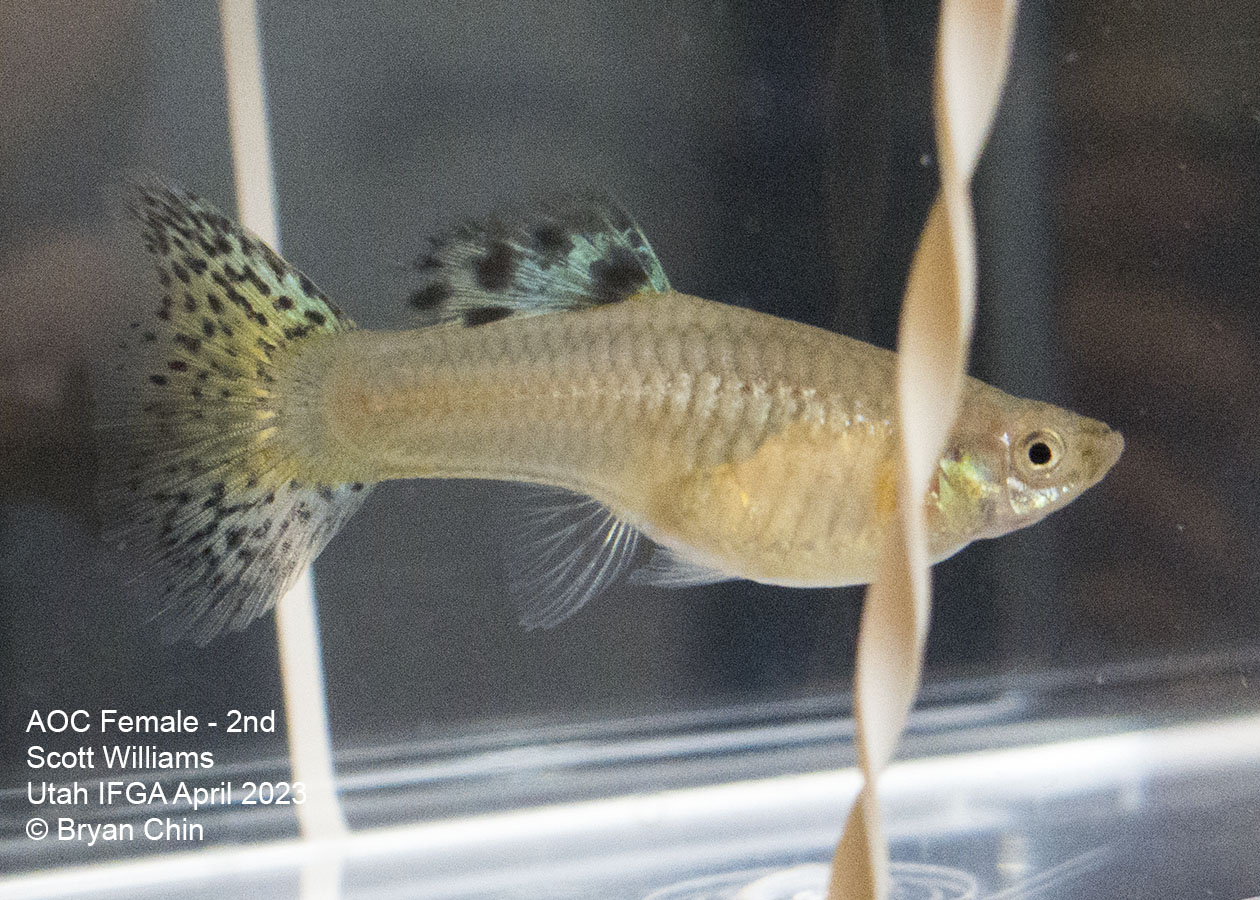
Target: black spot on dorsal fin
[[494, 271], [617, 275], [573, 254], [484, 315]]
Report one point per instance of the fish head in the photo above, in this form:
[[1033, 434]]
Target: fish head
[[1010, 463], [1021, 460], [1054, 455]]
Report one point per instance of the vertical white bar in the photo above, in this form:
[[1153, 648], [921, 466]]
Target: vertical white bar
[[306, 712], [973, 53], [247, 120]]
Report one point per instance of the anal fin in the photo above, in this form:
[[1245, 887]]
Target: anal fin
[[669, 569], [567, 549]]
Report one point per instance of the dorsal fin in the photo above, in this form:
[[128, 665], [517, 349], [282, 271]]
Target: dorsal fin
[[576, 253]]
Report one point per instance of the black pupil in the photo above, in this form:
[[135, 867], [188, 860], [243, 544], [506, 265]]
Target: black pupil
[[1039, 453]]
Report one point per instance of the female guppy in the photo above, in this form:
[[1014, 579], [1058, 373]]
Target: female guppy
[[742, 445]]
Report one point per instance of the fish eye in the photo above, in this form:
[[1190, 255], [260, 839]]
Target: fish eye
[[1040, 452]]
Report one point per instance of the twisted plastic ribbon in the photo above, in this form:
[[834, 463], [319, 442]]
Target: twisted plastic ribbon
[[973, 51]]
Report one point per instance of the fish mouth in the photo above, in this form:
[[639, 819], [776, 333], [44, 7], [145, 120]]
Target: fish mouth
[[1114, 447], [1108, 447]]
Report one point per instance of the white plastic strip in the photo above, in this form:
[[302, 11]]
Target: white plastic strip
[[936, 322], [247, 120], [306, 713]]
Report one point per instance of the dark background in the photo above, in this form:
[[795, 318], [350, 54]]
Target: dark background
[[780, 162]]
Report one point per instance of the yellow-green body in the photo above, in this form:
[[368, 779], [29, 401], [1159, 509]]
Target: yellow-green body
[[754, 446]]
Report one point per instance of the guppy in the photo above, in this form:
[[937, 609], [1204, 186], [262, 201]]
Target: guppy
[[254, 419]]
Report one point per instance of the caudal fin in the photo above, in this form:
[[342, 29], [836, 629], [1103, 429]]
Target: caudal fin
[[196, 475]]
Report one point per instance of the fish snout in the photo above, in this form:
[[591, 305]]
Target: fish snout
[[1103, 449]]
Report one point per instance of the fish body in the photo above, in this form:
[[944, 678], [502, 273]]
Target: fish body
[[740, 444]]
